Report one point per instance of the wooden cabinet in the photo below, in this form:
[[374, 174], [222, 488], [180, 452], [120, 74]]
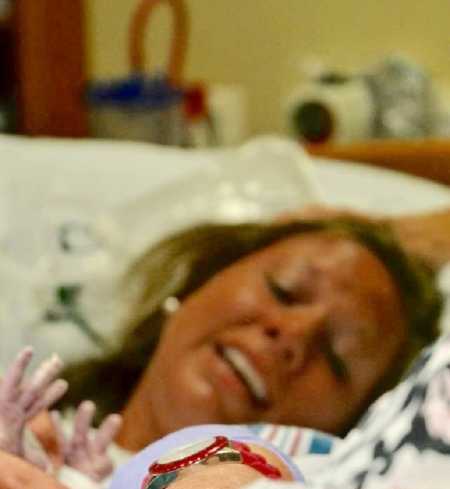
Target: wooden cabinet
[[42, 54]]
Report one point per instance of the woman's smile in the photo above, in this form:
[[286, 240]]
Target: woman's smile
[[243, 367]]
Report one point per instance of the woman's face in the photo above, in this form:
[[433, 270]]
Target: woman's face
[[297, 333]]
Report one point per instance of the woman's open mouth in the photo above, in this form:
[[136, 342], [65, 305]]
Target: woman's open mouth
[[246, 372]]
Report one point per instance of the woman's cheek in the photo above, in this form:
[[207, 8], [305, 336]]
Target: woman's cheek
[[307, 400], [191, 329]]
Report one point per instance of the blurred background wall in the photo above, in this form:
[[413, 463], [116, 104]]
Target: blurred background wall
[[263, 44]]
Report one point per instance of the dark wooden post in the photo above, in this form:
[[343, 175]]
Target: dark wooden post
[[50, 67]]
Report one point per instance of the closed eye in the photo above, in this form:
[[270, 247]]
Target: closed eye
[[335, 361], [281, 294]]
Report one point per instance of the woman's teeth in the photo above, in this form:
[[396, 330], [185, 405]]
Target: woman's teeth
[[246, 371]]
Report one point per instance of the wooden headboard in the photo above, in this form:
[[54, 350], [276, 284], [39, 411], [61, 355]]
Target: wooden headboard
[[424, 158]]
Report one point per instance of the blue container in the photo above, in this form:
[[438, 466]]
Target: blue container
[[137, 108]]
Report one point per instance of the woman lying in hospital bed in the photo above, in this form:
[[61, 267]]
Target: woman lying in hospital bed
[[345, 375], [277, 323], [353, 288]]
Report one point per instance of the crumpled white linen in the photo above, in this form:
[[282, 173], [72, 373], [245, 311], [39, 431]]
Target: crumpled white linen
[[63, 254]]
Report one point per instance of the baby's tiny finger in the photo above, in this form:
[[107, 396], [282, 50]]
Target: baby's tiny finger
[[10, 389], [42, 377], [82, 423], [107, 432], [50, 396]]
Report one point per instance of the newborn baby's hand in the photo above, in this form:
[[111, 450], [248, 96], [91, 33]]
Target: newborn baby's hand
[[21, 400], [86, 450]]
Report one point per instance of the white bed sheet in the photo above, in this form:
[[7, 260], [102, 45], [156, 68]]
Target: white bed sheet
[[111, 173], [46, 180], [372, 189]]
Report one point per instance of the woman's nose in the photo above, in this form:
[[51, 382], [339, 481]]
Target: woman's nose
[[294, 334]]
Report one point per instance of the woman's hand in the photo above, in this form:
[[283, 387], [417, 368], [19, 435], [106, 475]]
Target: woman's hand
[[87, 449], [425, 235], [15, 473], [21, 400], [323, 212]]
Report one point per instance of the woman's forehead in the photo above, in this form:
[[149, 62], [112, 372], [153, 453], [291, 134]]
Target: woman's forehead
[[321, 249], [338, 259]]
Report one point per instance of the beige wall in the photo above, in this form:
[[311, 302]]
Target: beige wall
[[261, 43]]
